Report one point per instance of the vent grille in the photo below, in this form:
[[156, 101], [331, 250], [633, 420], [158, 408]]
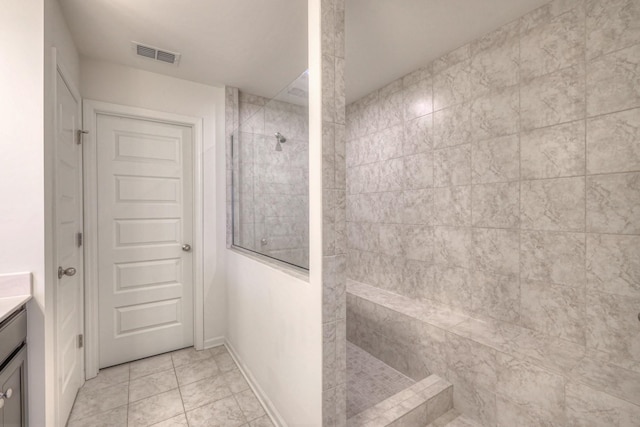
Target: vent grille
[[156, 54], [166, 57]]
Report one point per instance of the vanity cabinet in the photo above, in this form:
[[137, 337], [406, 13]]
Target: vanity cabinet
[[13, 370]]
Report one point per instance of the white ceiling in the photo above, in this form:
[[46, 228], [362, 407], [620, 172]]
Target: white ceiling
[[260, 46], [395, 37], [257, 45]]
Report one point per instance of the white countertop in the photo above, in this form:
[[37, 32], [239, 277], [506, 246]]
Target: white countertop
[[15, 290]]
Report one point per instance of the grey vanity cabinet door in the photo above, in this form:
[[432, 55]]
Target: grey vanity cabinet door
[[13, 377]]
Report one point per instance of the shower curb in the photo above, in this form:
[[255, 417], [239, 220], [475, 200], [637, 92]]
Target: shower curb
[[415, 406]]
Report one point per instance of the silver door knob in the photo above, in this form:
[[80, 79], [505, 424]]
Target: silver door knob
[[7, 394], [66, 272], [186, 247]]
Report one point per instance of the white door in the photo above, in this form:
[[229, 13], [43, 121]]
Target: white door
[[68, 255], [145, 221]]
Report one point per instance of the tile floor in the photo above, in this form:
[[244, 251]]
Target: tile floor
[[370, 381], [185, 388]]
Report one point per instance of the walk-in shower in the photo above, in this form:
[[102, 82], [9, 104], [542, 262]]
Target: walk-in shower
[[270, 185]]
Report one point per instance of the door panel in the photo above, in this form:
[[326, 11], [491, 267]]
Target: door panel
[[68, 223], [145, 211]]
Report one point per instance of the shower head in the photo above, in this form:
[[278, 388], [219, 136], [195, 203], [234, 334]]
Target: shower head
[[279, 140], [280, 137]]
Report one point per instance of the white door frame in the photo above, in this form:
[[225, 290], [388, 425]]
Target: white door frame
[[59, 68], [91, 109]]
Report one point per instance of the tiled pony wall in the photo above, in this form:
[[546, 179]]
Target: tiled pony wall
[[502, 182]]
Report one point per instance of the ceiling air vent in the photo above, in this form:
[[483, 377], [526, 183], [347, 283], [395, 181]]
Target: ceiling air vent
[[155, 53]]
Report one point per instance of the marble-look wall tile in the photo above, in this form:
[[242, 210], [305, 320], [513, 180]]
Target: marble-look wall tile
[[552, 257], [496, 65], [496, 114], [474, 401], [452, 86], [553, 98], [613, 82], [452, 286], [613, 264], [495, 160], [418, 99], [612, 325], [553, 309], [452, 246], [496, 296], [511, 414], [391, 106], [496, 205], [417, 207], [553, 204], [452, 206], [611, 25], [418, 242], [540, 391], [418, 135], [589, 407], [452, 126], [613, 203], [390, 239], [452, 166], [418, 171], [557, 44], [496, 251], [452, 58], [613, 142], [553, 152], [471, 362]]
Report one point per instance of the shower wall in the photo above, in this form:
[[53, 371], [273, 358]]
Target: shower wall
[[272, 209], [503, 181]]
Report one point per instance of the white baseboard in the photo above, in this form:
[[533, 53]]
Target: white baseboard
[[213, 342], [272, 412]]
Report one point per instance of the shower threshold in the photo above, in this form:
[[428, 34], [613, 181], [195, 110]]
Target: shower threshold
[[370, 381]]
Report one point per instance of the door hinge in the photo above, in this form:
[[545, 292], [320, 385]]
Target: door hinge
[[79, 239], [80, 341], [79, 134]]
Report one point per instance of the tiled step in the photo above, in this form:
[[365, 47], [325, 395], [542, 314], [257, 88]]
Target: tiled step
[[415, 406], [453, 418]]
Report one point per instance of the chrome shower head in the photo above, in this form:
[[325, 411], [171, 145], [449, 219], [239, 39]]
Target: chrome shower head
[[280, 137], [279, 140]]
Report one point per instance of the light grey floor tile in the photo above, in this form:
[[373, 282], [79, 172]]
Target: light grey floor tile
[[108, 377], [154, 409], [113, 418], [250, 405], [150, 365], [263, 421], [235, 380], [90, 402], [189, 355], [221, 349], [204, 391], [222, 413], [225, 362], [177, 421], [196, 371], [151, 385]]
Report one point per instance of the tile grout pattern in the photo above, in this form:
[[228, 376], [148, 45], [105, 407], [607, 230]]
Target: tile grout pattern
[[370, 381], [334, 236], [271, 187], [184, 388], [503, 180]]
